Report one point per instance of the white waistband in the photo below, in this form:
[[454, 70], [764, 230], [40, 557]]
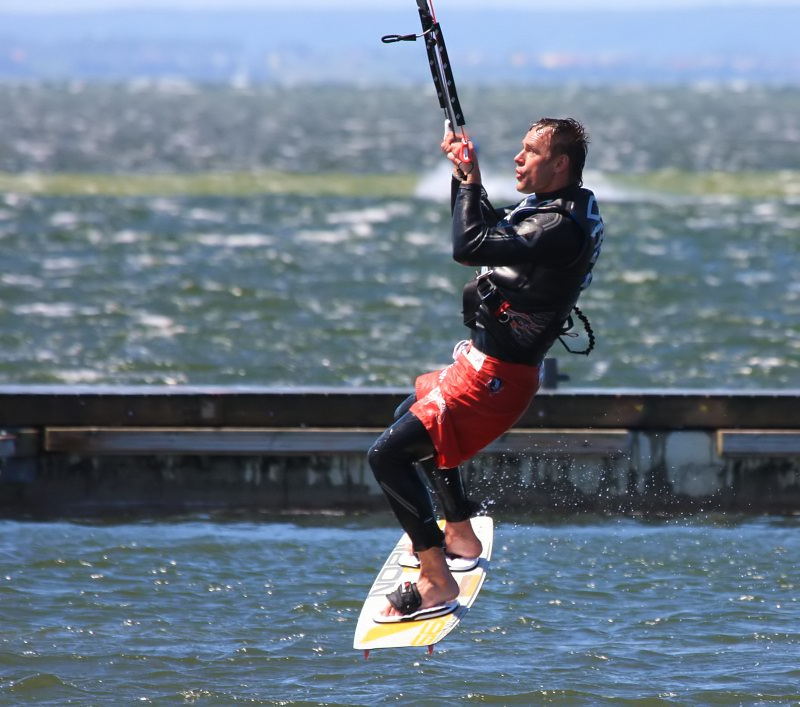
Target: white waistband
[[475, 356]]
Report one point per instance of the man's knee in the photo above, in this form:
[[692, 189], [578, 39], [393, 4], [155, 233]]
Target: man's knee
[[375, 456], [399, 447]]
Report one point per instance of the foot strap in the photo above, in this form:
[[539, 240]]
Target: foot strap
[[455, 563], [407, 600]]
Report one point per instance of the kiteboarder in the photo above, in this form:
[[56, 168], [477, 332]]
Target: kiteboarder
[[535, 258]]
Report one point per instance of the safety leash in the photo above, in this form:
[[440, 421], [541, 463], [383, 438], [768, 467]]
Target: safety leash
[[586, 325]]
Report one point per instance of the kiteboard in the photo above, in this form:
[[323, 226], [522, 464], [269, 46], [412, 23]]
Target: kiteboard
[[371, 634]]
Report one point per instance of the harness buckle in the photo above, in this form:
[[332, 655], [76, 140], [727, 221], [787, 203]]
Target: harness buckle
[[488, 290], [500, 312]]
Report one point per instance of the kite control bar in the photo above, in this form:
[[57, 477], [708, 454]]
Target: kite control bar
[[441, 70]]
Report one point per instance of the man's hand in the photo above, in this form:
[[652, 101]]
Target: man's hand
[[452, 147]]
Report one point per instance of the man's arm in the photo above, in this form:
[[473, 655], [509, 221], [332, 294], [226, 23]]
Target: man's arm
[[548, 236]]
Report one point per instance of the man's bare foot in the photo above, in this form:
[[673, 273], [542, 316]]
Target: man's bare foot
[[460, 539], [435, 583]]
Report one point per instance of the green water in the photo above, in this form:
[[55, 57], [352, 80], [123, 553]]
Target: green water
[[739, 185], [211, 235]]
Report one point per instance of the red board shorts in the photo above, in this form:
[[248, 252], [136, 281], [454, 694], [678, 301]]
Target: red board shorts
[[469, 404]]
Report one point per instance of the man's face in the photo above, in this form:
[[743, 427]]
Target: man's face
[[538, 171]]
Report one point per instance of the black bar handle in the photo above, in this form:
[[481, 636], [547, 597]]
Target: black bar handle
[[391, 38]]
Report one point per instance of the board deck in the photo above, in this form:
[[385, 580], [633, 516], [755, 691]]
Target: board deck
[[370, 635]]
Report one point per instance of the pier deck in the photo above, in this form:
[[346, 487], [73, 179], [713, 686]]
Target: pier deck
[[99, 450]]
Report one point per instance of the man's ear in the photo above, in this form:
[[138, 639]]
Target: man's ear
[[562, 164]]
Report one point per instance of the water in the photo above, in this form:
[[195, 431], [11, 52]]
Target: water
[[574, 612], [300, 286], [696, 288]]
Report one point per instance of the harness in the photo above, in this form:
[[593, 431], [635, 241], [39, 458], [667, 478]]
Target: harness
[[494, 305]]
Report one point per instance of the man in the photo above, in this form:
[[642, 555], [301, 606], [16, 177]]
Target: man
[[535, 259]]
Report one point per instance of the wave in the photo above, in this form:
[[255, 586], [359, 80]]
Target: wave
[[435, 186]]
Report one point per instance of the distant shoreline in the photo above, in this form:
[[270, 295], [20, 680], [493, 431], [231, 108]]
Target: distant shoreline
[[291, 47]]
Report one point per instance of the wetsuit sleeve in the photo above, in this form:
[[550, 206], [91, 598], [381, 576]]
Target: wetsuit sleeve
[[488, 212], [547, 237]]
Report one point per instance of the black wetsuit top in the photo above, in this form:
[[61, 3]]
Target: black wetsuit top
[[538, 257]]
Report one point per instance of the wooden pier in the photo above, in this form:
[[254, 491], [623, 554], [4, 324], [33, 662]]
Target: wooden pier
[[106, 451]]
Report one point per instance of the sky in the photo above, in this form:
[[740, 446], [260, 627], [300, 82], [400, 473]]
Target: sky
[[79, 5]]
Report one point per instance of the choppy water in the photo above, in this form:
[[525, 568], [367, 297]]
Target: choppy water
[[693, 290], [292, 290], [593, 612]]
